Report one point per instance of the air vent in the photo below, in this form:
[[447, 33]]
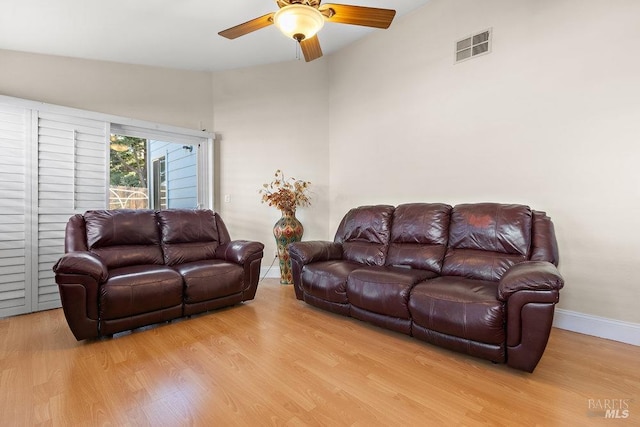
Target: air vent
[[475, 45]]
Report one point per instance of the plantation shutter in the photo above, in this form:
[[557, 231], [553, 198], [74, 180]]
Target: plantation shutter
[[72, 178], [15, 265]]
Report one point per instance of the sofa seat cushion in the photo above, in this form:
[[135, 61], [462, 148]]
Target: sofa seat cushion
[[384, 290], [460, 307], [139, 289], [209, 279], [327, 280]]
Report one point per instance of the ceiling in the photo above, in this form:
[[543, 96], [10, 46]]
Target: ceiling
[[179, 34]]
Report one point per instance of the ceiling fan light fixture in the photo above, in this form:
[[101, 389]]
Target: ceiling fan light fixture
[[298, 21]]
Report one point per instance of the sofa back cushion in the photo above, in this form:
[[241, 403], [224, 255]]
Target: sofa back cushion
[[123, 237], [419, 235], [364, 233], [485, 239], [188, 235]]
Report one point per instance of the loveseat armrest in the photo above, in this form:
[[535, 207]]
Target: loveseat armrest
[[314, 251], [529, 276], [249, 255], [240, 251], [82, 263], [79, 275]]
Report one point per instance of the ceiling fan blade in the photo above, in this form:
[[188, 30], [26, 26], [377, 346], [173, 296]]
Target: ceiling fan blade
[[248, 27], [311, 48], [358, 15]]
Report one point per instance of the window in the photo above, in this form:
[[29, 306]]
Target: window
[[128, 187], [171, 170]]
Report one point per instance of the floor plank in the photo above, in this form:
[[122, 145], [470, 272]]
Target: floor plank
[[278, 361]]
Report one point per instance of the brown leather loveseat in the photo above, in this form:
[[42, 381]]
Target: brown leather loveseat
[[124, 269], [476, 278]]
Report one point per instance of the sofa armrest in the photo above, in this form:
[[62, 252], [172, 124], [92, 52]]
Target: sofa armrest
[[83, 263], [314, 251], [303, 253], [239, 251], [530, 291], [529, 276], [79, 275]]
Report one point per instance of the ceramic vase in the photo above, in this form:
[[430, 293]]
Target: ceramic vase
[[287, 230]]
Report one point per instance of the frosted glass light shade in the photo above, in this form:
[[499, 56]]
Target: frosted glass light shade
[[298, 21]]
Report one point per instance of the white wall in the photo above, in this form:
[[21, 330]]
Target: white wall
[[272, 117], [161, 95], [550, 118]]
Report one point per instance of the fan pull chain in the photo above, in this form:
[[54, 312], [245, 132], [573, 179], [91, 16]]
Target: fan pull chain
[[297, 51]]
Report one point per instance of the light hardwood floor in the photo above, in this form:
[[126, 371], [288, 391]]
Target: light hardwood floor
[[278, 361]]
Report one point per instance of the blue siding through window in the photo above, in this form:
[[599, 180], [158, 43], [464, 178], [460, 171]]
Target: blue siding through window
[[182, 181]]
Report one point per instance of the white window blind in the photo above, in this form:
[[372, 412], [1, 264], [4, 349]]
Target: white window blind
[[14, 203], [72, 178]]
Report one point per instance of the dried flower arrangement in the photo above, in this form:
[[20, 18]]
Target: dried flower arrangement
[[286, 194]]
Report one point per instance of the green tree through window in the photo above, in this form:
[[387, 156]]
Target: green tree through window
[[128, 161]]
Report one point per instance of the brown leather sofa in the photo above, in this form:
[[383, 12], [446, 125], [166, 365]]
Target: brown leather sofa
[[476, 278], [124, 269]]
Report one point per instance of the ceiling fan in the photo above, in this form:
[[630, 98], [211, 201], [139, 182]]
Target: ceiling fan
[[302, 19]]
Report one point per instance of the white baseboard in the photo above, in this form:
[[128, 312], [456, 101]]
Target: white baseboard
[[602, 327], [270, 272]]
